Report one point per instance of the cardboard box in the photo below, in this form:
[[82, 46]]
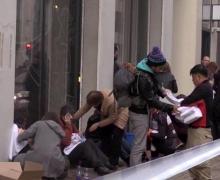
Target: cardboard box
[[13, 171]]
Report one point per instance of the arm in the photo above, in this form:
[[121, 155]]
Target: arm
[[68, 133], [107, 121], [29, 133], [83, 110], [197, 94], [111, 118], [146, 90], [174, 87]]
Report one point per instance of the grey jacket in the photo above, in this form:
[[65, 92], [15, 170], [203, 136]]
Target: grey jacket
[[46, 136]]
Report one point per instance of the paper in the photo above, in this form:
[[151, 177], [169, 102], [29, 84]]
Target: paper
[[188, 114], [171, 98]]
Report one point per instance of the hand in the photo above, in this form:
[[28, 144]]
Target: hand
[[20, 131], [94, 127], [175, 110], [67, 118]]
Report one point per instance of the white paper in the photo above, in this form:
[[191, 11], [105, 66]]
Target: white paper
[[171, 98], [15, 146], [188, 114]]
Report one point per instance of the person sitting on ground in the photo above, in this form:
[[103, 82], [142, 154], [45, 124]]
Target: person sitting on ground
[[80, 150], [17, 128], [47, 135]]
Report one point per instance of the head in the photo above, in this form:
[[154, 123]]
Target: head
[[199, 73], [51, 116], [212, 69], [205, 60], [94, 98], [156, 60], [66, 111]]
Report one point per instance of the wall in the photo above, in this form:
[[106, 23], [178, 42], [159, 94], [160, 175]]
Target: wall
[[7, 69], [187, 28]]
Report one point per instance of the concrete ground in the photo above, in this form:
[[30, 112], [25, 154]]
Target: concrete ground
[[183, 176]]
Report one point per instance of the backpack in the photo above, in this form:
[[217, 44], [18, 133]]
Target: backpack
[[126, 89], [123, 79]]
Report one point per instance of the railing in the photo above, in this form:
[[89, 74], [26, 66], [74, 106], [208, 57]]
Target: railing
[[168, 166]]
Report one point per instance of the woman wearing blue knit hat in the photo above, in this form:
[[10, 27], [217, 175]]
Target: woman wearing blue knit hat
[[145, 91]]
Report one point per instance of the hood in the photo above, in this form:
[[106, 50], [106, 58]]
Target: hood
[[56, 128], [142, 65]]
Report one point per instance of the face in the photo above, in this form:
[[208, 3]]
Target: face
[[196, 79], [205, 61], [157, 69]]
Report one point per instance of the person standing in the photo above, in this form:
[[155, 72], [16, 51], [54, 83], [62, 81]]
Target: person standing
[[145, 91], [205, 60], [199, 132]]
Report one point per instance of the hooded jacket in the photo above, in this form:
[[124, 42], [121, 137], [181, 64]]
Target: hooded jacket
[[46, 136], [148, 90]]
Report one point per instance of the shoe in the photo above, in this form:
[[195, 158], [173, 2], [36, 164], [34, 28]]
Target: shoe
[[102, 170], [111, 166]]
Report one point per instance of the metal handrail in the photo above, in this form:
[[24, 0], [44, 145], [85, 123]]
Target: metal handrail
[[168, 166]]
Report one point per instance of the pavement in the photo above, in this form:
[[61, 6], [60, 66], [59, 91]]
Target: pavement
[[215, 165]]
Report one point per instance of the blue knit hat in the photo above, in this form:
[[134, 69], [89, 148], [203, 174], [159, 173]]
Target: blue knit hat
[[155, 57]]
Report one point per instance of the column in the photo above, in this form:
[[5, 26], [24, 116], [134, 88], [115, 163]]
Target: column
[[187, 28], [7, 72], [97, 55]]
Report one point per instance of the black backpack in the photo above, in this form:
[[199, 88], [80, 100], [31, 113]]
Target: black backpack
[[123, 79]]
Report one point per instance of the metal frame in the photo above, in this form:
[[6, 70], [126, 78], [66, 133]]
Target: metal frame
[[168, 166]]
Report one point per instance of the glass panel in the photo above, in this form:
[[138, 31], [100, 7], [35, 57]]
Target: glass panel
[[28, 70]]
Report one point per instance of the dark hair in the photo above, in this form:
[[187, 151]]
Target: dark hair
[[51, 116], [66, 109], [166, 67], [94, 97], [199, 69]]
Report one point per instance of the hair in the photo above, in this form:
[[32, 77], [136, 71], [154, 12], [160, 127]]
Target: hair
[[21, 118], [51, 116], [199, 69], [66, 109], [94, 97], [166, 67], [212, 68]]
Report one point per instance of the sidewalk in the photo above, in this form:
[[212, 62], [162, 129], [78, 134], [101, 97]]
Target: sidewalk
[[183, 176]]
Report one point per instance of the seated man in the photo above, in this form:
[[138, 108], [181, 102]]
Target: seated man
[[78, 149]]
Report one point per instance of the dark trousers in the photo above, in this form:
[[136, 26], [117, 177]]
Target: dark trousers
[[111, 140], [88, 154], [116, 142]]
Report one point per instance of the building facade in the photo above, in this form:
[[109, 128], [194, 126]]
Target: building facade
[[60, 50]]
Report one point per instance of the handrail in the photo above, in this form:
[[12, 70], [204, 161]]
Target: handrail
[[168, 166]]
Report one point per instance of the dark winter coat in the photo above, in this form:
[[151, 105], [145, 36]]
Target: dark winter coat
[[149, 90]]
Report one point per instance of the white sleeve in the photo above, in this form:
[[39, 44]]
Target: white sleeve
[[15, 147]]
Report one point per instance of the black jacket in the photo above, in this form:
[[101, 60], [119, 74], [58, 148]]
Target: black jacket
[[149, 90], [202, 92]]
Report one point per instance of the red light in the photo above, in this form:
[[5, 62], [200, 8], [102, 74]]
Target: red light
[[28, 46]]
